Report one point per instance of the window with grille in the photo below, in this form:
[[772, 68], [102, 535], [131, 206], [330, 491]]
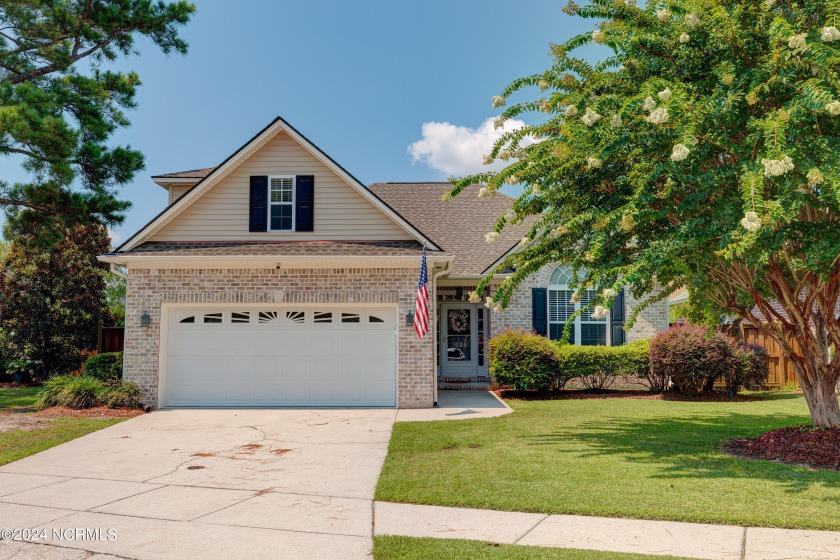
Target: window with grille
[[584, 330], [281, 204]]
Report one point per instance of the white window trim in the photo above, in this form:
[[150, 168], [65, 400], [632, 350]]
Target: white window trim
[[578, 319], [293, 203]]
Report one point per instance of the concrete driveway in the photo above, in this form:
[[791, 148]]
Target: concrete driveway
[[206, 484]]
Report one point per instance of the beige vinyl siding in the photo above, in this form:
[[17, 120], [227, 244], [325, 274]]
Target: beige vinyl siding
[[341, 213], [177, 191]]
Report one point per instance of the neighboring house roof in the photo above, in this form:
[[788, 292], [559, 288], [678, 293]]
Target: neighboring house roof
[[279, 248], [680, 295], [235, 159], [191, 174], [459, 225]]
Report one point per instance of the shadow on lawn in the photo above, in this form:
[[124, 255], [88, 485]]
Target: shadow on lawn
[[688, 447]]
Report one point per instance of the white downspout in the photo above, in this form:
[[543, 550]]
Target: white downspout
[[446, 270]]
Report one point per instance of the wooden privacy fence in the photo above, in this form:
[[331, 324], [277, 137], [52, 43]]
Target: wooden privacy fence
[[781, 369], [110, 339]]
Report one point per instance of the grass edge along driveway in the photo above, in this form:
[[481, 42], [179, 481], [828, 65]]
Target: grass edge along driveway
[[411, 548], [17, 444], [633, 458]]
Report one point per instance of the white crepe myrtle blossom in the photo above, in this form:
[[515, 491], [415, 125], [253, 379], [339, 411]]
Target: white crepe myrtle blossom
[[505, 155], [491, 237], [815, 177], [535, 189], [525, 240], [575, 298], [663, 14], [512, 180], [658, 116], [833, 108], [685, 37], [609, 293], [615, 121], [474, 297], [680, 152], [692, 20], [649, 104], [520, 153], [485, 192], [830, 33], [571, 111], [492, 305], [510, 215], [543, 85], [599, 36], [665, 94], [498, 123], [560, 230], [487, 159], [546, 106], [751, 222], [797, 41], [593, 162], [498, 101], [590, 117], [777, 167], [600, 312]]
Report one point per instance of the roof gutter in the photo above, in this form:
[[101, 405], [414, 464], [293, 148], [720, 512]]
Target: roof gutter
[[119, 258]]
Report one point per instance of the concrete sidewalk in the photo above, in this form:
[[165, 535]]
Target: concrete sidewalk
[[458, 405], [689, 540]]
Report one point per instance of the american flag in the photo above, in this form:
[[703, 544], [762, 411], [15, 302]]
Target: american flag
[[421, 304]]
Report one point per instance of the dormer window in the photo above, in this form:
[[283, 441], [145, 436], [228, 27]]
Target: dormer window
[[281, 206]]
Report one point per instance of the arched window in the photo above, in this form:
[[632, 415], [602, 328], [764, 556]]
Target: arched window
[[586, 331]]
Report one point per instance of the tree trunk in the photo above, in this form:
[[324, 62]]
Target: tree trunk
[[821, 396]]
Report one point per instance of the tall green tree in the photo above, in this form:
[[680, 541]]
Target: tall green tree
[[702, 151], [59, 117], [53, 298]]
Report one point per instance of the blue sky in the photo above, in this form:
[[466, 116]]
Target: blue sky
[[360, 79]]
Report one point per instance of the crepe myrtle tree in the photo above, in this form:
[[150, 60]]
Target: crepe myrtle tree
[[701, 151], [58, 118]]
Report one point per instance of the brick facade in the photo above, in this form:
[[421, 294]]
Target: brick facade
[[650, 321], [149, 289]]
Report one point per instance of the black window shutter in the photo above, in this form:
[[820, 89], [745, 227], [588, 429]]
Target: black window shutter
[[305, 203], [617, 320], [539, 310], [258, 220]]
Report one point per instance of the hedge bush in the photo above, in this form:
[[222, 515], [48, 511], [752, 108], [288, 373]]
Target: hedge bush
[[84, 391], [108, 365], [598, 367], [751, 364], [121, 394], [690, 357], [525, 361]]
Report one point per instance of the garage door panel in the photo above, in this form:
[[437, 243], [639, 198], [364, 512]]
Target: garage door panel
[[287, 361]]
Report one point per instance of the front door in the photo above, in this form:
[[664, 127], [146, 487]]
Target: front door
[[458, 340]]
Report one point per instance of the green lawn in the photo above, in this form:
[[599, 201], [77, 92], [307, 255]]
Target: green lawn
[[409, 548], [18, 396], [646, 459], [17, 444]]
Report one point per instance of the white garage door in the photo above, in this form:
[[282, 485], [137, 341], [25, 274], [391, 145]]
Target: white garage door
[[281, 356]]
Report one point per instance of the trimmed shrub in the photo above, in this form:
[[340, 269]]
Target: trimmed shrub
[[525, 361], [108, 365], [689, 358], [72, 391], [598, 367], [750, 368], [121, 394]]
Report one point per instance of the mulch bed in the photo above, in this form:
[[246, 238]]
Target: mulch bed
[[572, 394], [96, 412], [803, 445]]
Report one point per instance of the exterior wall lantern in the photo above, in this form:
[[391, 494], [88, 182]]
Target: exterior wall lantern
[[145, 320], [409, 319]]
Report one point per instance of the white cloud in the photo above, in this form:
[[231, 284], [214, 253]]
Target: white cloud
[[116, 238], [459, 150]]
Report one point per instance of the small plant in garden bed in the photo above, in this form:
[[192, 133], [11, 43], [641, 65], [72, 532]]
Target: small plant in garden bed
[[802, 445]]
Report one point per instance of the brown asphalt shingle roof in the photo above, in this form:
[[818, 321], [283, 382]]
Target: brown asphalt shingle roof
[[280, 248], [191, 174], [459, 225]]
